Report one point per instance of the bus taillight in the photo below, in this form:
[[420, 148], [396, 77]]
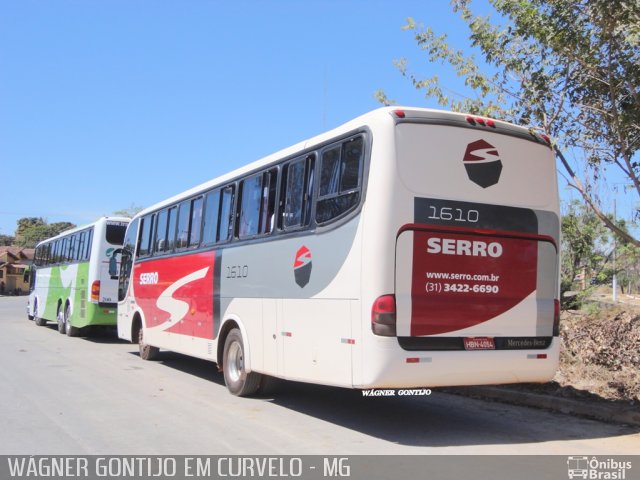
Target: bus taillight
[[556, 318], [383, 316], [95, 291]]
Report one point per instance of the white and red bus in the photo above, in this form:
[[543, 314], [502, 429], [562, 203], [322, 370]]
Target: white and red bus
[[408, 247]]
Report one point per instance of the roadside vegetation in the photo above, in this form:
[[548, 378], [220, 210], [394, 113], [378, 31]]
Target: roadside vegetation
[[600, 356]]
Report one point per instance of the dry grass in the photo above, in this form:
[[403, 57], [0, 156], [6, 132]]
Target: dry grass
[[601, 353]]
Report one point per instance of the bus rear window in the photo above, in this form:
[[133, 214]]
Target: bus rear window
[[115, 233]]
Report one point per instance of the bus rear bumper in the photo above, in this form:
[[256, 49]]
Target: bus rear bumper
[[397, 368]]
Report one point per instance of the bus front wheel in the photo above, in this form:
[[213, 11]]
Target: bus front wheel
[[147, 352], [39, 321], [238, 380]]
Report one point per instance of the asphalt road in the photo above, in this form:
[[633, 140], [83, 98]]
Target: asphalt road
[[95, 395]]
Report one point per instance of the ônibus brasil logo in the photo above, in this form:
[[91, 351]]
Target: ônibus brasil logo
[[482, 162], [302, 266]]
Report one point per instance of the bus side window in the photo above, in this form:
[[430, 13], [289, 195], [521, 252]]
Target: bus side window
[[249, 212], [160, 238], [225, 226], [340, 180], [69, 252], [171, 229], [268, 203], [144, 242], [195, 222], [64, 252], [184, 217], [79, 245], [54, 252], [210, 222], [72, 247], [87, 255], [294, 195], [297, 194], [81, 240]]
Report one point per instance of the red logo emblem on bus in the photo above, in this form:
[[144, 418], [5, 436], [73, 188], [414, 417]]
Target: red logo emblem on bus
[[482, 162], [302, 266]]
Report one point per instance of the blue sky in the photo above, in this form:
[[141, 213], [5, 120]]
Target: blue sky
[[104, 104]]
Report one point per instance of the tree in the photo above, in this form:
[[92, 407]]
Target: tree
[[28, 222], [571, 68], [623, 261], [6, 240], [31, 230], [130, 211], [590, 253], [59, 227], [583, 240]]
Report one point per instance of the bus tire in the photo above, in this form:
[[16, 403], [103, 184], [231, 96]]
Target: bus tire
[[238, 381], [70, 330], [147, 352], [39, 321], [60, 320]]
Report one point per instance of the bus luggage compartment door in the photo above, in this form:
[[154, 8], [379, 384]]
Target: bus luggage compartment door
[[481, 285]]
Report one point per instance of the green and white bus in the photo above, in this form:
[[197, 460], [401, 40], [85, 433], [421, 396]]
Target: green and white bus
[[76, 276]]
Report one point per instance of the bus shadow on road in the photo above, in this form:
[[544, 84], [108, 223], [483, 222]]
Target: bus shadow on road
[[193, 366], [102, 335], [95, 334], [440, 419], [99, 334]]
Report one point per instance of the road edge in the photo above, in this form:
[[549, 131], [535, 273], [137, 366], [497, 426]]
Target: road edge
[[594, 411]]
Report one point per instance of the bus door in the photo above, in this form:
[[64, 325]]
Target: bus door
[[110, 257]]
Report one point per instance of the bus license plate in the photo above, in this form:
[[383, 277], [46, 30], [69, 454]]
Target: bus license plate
[[479, 343]]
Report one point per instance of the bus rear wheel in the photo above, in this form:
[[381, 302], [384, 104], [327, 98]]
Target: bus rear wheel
[[147, 352], [60, 320], [69, 329], [239, 382]]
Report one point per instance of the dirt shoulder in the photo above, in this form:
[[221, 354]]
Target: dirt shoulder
[[600, 356], [599, 374]]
